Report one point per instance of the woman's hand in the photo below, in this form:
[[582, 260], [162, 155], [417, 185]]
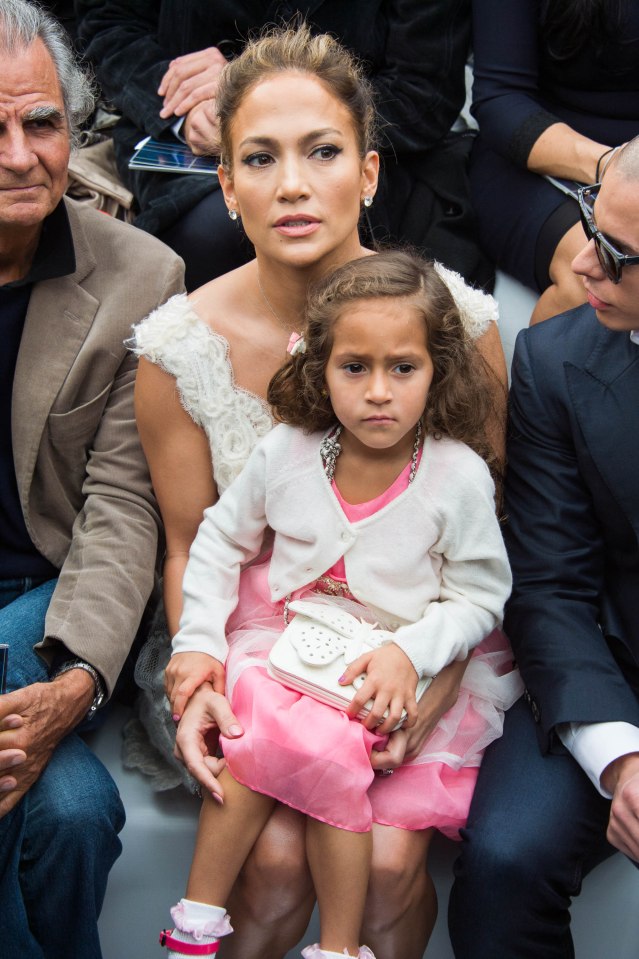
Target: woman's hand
[[207, 714], [185, 673], [404, 744], [390, 682]]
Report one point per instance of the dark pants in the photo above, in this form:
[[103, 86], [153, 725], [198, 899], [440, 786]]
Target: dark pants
[[536, 827], [59, 842]]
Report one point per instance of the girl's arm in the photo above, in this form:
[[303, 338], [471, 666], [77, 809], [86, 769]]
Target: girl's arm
[[179, 458]]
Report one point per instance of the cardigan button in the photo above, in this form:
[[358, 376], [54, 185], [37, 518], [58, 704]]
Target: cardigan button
[[345, 536]]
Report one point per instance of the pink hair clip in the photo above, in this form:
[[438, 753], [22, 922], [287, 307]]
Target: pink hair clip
[[296, 344]]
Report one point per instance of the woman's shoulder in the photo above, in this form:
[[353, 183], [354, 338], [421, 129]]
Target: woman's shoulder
[[173, 332], [476, 308]]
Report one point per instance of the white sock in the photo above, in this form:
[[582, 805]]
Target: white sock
[[195, 917]]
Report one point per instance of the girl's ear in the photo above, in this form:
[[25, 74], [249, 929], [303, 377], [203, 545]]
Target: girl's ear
[[227, 187]]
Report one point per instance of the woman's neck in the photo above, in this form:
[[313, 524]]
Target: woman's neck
[[283, 288]]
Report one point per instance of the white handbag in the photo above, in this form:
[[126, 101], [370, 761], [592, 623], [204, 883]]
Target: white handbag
[[317, 646]]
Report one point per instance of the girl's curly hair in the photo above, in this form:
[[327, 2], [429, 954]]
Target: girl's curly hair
[[459, 400]]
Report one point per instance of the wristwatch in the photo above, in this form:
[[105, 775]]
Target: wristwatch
[[100, 691]]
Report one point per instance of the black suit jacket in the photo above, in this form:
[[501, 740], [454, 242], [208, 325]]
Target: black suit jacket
[[572, 504]]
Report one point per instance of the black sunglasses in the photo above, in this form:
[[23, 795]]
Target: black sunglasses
[[610, 258]]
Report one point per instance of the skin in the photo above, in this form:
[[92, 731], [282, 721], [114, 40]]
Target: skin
[[34, 153], [188, 89], [280, 129], [617, 216], [562, 152]]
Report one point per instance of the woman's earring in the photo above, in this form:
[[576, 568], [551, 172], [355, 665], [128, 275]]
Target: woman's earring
[[233, 215], [368, 201]]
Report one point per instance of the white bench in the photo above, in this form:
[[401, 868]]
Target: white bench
[[160, 830]]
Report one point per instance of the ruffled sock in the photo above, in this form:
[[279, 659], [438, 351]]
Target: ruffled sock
[[197, 923]]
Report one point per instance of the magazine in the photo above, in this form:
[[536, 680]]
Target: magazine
[[171, 156]]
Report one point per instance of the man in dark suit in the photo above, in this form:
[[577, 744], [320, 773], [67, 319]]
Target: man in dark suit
[[560, 791]]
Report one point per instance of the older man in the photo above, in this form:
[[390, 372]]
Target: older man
[[78, 523], [542, 817]]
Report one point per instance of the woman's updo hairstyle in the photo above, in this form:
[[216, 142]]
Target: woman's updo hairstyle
[[459, 400], [295, 48]]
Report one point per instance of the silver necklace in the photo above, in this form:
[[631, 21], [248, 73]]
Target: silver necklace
[[285, 326], [330, 449]]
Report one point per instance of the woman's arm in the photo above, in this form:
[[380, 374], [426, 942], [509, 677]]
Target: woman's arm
[[179, 458], [492, 352], [513, 117]]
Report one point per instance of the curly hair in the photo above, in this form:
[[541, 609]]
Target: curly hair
[[282, 49], [459, 400]]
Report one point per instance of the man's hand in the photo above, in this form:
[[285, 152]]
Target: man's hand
[[404, 744], [206, 716], [201, 129], [33, 721], [190, 80], [621, 778]]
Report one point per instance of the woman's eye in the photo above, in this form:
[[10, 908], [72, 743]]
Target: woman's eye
[[326, 152], [258, 159]]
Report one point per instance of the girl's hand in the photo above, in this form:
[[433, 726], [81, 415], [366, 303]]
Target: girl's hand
[[404, 744], [207, 714], [185, 673], [390, 682]]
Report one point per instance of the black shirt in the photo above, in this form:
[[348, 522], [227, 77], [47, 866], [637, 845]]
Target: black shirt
[[54, 257]]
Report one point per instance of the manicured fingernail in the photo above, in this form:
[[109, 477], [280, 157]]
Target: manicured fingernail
[[175, 718], [218, 798], [342, 678], [235, 730]]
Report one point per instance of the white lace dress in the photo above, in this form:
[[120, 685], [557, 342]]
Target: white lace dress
[[177, 340]]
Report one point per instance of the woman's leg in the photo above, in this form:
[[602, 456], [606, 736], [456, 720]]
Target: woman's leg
[[566, 289], [272, 900], [340, 865], [226, 834], [401, 906]]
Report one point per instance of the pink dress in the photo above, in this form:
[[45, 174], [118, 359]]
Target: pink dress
[[314, 758]]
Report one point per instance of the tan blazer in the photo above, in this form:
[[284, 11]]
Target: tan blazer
[[82, 477]]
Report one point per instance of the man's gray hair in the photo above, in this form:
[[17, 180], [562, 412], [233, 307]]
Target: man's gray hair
[[23, 23]]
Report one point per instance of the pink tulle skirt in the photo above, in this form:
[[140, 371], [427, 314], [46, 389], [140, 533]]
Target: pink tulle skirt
[[314, 758]]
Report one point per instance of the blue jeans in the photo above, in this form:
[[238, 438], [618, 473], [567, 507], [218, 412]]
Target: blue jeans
[[536, 827], [60, 841]]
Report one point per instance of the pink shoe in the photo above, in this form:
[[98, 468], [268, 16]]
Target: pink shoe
[[314, 952]]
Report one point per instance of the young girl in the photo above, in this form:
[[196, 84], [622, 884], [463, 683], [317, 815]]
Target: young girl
[[380, 503]]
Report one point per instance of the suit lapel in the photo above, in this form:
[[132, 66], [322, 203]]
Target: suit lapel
[[605, 392], [58, 319]]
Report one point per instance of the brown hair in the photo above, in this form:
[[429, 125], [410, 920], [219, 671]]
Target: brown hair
[[295, 48], [459, 400]]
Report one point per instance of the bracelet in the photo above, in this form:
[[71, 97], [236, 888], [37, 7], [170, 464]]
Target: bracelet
[[100, 693], [598, 169]]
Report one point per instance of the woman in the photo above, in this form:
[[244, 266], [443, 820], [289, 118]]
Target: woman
[[556, 87], [296, 125]]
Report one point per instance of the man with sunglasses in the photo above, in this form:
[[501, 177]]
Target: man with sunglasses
[[560, 791]]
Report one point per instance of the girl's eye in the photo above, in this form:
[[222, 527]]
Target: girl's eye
[[326, 152], [353, 368], [258, 159], [404, 368]]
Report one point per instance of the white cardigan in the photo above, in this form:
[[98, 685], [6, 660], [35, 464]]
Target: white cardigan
[[431, 564]]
